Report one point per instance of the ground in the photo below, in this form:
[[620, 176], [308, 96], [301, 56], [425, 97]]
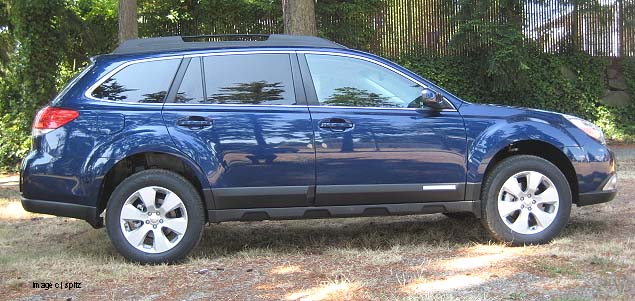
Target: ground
[[388, 258]]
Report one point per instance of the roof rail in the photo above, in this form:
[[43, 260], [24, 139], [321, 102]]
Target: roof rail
[[178, 43]]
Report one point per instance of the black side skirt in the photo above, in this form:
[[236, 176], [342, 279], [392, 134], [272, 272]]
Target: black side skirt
[[256, 214]]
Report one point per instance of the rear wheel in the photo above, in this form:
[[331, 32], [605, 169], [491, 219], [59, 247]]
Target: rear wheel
[[155, 216], [527, 200]]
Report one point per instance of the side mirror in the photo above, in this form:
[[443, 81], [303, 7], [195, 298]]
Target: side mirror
[[432, 99]]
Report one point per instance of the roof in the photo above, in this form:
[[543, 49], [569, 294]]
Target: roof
[[178, 43]]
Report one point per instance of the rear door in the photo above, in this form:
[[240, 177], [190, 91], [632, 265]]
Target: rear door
[[244, 119], [374, 143]]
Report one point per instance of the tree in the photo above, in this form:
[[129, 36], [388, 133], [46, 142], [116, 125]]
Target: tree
[[128, 27], [299, 17]]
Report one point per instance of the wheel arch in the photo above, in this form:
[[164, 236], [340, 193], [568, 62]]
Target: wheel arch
[[542, 150], [118, 170]]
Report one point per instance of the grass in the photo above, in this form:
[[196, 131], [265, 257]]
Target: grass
[[389, 258]]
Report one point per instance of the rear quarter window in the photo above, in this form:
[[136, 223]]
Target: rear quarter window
[[72, 83], [143, 82]]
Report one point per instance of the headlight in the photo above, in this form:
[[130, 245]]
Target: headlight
[[588, 127]]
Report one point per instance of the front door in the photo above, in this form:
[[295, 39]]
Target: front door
[[374, 143], [242, 119]]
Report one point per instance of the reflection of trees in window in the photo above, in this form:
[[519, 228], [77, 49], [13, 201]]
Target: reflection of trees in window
[[350, 96], [156, 97], [249, 93], [111, 90], [181, 97]]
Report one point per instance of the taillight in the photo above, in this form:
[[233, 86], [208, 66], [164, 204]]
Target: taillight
[[50, 118]]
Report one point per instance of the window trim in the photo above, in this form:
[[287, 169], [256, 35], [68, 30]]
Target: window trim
[[89, 93], [309, 86]]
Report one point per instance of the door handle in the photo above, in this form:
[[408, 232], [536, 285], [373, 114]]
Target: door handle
[[194, 122], [336, 124]]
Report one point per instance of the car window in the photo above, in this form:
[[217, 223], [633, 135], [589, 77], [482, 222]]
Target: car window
[[346, 81], [145, 82], [191, 89], [249, 79]]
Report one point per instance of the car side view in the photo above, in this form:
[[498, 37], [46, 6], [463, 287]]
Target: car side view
[[164, 135]]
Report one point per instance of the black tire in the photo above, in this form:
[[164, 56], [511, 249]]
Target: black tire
[[506, 169], [190, 198]]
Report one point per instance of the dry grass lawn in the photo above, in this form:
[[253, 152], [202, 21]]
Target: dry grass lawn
[[388, 258]]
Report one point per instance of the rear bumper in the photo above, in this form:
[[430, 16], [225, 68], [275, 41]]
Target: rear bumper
[[596, 197], [86, 213]]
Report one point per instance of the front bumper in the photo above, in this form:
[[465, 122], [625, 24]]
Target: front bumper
[[86, 213]]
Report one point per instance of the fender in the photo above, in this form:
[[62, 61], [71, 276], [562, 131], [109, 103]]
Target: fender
[[106, 155], [503, 133]]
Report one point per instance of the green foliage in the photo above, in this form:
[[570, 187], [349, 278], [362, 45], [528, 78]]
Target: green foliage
[[499, 44], [54, 40], [349, 22], [194, 17]]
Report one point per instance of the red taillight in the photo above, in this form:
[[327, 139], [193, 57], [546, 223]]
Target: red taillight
[[50, 118]]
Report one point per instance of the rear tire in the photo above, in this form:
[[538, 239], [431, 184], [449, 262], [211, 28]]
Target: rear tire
[[527, 200], [155, 216]]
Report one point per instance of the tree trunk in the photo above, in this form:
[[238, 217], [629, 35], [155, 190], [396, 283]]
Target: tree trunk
[[299, 17], [128, 27]]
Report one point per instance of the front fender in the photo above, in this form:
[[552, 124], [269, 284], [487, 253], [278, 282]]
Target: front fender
[[501, 133]]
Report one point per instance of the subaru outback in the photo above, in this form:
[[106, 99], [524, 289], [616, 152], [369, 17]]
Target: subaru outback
[[167, 134]]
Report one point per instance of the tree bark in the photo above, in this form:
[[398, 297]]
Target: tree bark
[[299, 17], [128, 27]]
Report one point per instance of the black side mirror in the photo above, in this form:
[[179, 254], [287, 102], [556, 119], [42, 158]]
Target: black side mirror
[[432, 99]]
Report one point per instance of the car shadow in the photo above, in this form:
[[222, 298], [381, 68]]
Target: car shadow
[[315, 236]]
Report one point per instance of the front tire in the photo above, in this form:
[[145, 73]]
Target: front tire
[[155, 216], [527, 200]]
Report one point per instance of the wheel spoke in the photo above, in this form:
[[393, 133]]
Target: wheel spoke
[[177, 225], [161, 243], [533, 180], [543, 218], [148, 196], [136, 237], [130, 212], [521, 224], [549, 196], [171, 202], [513, 187], [506, 208]]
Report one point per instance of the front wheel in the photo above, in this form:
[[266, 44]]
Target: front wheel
[[155, 216], [527, 200]]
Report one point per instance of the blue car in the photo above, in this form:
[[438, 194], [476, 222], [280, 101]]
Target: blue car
[[166, 134]]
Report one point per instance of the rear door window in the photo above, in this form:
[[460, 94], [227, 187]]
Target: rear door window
[[144, 82], [251, 79]]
